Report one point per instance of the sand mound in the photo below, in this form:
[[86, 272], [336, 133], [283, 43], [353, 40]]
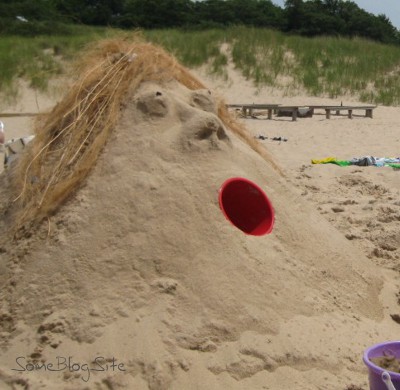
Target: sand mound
[[124, 273]]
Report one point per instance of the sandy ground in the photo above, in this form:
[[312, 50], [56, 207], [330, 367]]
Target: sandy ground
[[143, 270], [28, 101], [362, 202]]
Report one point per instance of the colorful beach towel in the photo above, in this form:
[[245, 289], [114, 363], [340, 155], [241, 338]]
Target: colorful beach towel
[[332, 160], [364, 161]]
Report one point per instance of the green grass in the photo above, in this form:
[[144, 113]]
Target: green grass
[[193, 48], [38, 59], [322, 66]]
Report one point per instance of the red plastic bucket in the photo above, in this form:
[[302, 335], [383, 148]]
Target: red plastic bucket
[[246, 206], [388, 348]]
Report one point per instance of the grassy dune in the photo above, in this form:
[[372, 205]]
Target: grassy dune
[[38, 59], [322, 66]]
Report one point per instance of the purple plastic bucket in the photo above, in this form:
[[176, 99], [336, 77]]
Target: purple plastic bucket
[[388, 348]]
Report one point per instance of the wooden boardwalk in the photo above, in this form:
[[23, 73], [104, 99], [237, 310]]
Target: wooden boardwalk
[[296, 111]]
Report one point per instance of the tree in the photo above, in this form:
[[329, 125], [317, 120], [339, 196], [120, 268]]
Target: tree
[[156, 13], [94, 12], [30, 10], [261, 13], [294, 14]]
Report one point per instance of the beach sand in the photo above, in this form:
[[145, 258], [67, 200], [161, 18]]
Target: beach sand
[[141, 275]]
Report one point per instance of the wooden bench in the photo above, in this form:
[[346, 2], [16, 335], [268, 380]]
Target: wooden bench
[[248, 109], [349, 109]]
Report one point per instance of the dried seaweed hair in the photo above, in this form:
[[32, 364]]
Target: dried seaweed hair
[[70, 138]]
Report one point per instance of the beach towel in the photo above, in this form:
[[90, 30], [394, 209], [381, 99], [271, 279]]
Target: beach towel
[[364, 161], [331, 160]]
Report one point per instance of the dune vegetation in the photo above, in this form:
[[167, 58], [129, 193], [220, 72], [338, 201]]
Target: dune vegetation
[[38, 59], [318, 66]]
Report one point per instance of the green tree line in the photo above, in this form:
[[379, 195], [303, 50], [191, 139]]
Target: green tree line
[[308, 18]]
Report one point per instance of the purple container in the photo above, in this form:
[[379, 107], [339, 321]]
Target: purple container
[[388, 348]]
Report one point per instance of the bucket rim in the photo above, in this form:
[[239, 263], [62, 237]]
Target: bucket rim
[[259, 189], [378, 370]]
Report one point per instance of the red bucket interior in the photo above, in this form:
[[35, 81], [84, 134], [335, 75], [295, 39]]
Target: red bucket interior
[[247, 206]]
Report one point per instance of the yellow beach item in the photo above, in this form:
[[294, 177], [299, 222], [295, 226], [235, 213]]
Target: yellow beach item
[[324, 160]]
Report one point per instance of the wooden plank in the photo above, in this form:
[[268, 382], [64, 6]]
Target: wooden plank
[[254, 106], [343, 107]]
